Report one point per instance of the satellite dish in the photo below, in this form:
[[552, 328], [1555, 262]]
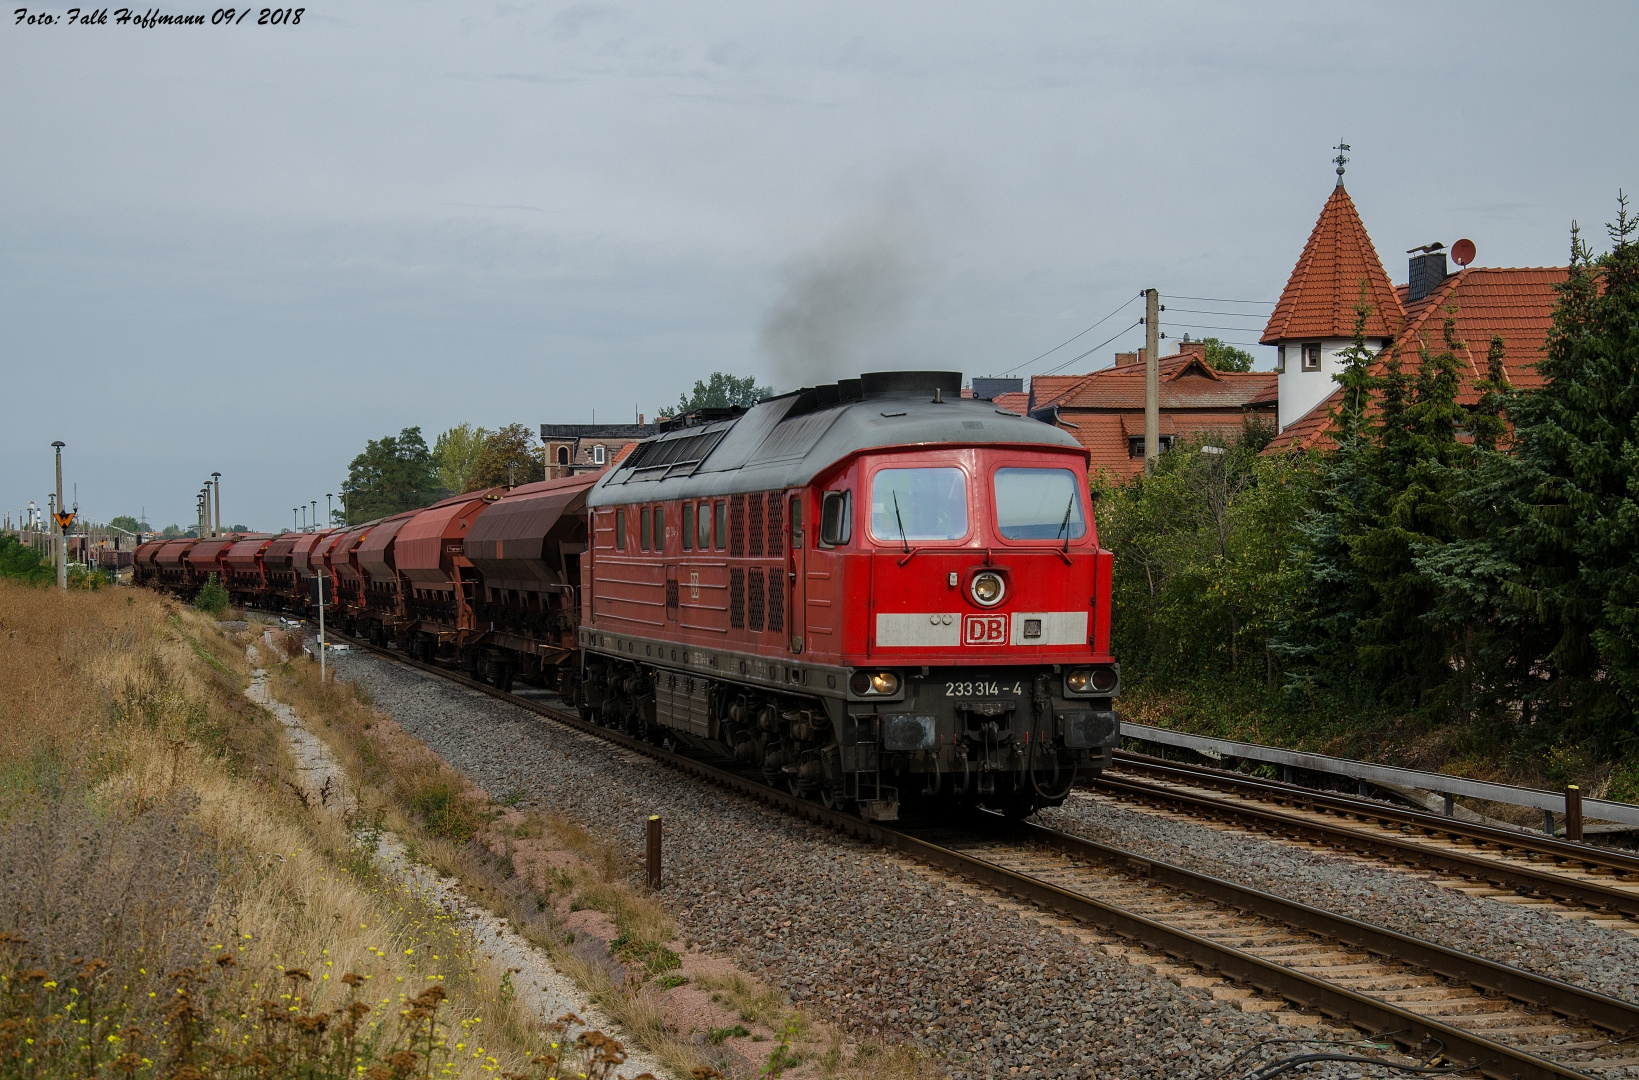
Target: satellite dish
[[1462, 252]]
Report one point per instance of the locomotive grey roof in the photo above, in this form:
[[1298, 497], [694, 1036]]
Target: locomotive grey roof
[[788, 440]]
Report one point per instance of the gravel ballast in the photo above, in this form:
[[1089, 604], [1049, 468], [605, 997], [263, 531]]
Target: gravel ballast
[[1578, 951], [885, 951]]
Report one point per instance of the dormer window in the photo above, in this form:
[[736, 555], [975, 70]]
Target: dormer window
[[1311, 356], [599, 455]]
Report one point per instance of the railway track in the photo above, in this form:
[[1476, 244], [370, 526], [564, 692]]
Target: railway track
[[1490, 860], [1500, 1021]]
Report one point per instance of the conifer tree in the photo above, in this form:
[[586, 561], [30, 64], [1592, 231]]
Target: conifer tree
[[1577, 440]]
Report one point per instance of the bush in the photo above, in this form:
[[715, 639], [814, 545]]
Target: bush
[[213, 598], [23, 563]]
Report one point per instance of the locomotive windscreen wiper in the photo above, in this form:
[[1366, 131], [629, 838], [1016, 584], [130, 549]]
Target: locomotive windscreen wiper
[[901, 522], [1064, 526]]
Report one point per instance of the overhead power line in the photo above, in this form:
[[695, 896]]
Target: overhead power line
[[1094, 349], [1208, 326], [1221, 300], [1227, 314], [1062, 344]]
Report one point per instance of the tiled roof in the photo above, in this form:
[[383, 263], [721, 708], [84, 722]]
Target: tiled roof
[[1186, 383], [1104, 410], [1516, 304], [1320, 296]]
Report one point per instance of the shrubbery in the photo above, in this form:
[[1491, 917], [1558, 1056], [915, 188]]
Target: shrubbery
[[1462, 569]]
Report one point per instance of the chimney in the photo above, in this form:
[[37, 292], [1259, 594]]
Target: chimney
[[1122, 359], [1427, 271]]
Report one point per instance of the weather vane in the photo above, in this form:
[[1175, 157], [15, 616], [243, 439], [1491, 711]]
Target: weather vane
[[1342, 159]]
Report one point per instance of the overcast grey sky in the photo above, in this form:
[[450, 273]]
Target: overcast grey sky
[[249, 249]]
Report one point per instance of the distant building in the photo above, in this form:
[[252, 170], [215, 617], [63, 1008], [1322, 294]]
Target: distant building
[[578, 448], [1316, 315], [1104, 410]]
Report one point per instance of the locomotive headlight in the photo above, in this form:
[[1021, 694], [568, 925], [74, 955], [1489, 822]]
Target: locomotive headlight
[[1091, 680], [874, 683], [987, 588]]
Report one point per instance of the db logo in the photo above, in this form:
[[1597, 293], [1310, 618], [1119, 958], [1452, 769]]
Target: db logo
[[984, 629]]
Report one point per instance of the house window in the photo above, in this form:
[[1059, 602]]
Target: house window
[[599, 455], [1135, 445], [620, 530], [688, 526], [645, 529], [1311, 356], [1280, 360], [563, 455]]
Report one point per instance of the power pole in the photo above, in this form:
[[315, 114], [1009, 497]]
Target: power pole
[[1152, 378], [216, 487], [62, 525]]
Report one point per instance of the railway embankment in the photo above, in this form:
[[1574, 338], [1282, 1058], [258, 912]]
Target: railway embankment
[[918, 971], [175, 901]]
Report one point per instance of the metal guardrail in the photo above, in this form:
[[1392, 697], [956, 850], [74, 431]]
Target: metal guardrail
[[1550, 801]]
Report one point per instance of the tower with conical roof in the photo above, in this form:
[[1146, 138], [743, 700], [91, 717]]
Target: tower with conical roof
[[1314, 320]]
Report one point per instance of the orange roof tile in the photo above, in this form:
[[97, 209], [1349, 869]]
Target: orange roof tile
[[1186, 383], [1516, 304], [1320, 296]]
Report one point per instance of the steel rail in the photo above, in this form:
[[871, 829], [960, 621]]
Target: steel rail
[[1409, 1029], [1522, 878], [1566, 999], [1590, 855]]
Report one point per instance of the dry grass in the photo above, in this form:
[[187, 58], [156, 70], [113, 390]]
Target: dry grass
[[454, 827], [147, 821]]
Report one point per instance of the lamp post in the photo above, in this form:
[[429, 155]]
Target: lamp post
[[216, 486], [62, 525], [329, 514], [304, 519], [315, 515], [293, 520]]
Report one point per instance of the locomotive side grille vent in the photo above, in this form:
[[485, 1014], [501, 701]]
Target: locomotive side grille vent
[[737, 598], [776, 601], [776, 525], [754, 602], [754, 526], [737, 527]]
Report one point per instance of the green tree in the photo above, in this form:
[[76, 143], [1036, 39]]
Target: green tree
[[509, 458], [130, 524], [721, 391], [1226, 357], [22, 563], [394, 473], [457, 452], [212, 598], [171, 532], [1577, 443]]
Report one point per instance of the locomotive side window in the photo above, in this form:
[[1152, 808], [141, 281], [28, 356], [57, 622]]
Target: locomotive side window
[[721, 537], [620, 529], [1039, 504], [645, 528], [688, 526], [703, 527], [660, 528], [918, 504], [836, 518], [796, 521]]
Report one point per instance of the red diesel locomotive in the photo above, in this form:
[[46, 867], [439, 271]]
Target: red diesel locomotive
[[878, 592]]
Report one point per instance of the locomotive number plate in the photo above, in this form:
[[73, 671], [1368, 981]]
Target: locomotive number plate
[[981, 689]]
